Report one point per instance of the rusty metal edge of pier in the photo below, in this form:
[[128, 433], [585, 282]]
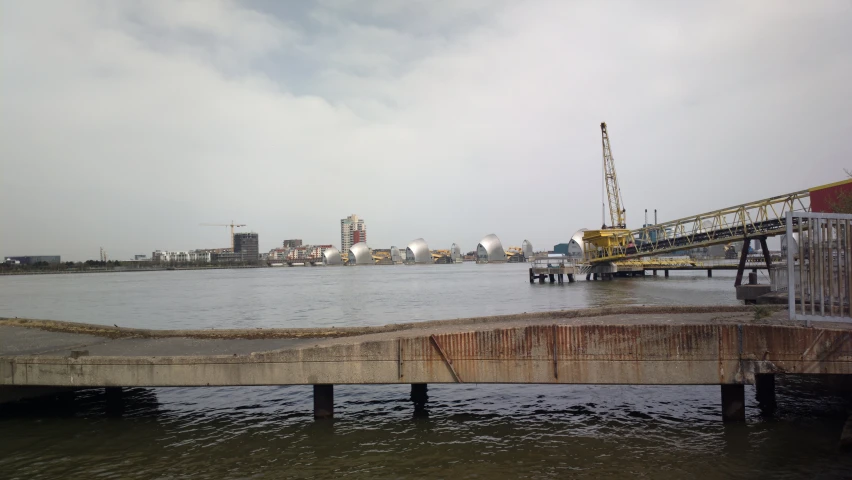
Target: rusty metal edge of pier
[[647, 354]]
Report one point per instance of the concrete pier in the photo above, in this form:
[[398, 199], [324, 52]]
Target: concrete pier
[[765, 392], [419, 397], [323, 401], [553, 269], [846, 436], [733, 403], [624, 345], [114, 401]]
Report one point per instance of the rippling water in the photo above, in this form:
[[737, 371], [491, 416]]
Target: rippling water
[[473, 431]]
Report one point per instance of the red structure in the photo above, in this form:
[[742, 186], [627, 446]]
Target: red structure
[[824, 197]]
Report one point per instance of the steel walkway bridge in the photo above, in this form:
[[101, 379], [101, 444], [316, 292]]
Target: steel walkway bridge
[[742, 223], [754, 220]]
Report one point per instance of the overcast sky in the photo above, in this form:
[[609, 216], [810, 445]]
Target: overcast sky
[[126, 124]]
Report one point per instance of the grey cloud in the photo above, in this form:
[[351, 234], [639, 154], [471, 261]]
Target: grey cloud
[[126, 124]]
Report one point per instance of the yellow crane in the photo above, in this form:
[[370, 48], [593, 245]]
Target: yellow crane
[[232, 225], [616, 234], [617, 213]]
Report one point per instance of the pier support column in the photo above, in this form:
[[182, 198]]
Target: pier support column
[[323, 401], [114, 401], [733, 403], [551, 277], [667, 274], [419, 397], [709, 273], [766, 256], [588, 276], [532, 276], [595, 276], [560, 278], [571, 278], [541, 278], [741, 266], [655, 272], [764, 385], [846, 436]]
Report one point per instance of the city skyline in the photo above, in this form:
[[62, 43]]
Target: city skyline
[[129, 123]]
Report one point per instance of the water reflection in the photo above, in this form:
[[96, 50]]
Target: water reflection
[[499, 431]]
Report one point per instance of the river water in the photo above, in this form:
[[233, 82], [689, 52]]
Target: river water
[[473, 431]]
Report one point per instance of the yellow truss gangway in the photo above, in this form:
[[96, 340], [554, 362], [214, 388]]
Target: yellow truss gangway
[[762, 218]]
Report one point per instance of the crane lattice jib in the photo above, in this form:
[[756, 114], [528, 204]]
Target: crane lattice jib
[[762, 218], [617, 213]]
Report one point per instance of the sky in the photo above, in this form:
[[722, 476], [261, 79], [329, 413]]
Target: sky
[[125, 125]]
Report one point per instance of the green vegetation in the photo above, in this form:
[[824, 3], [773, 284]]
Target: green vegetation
[[843, 202], [761, 311]]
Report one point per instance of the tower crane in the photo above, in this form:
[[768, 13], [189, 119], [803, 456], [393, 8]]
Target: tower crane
[[232, 225], [617, 213]]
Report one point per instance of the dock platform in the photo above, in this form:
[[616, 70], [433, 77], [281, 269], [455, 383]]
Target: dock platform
[[729, 346], [554, 268]]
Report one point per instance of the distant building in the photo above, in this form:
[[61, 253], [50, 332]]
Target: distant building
[[183, 256], [292, 243], [316, 251], [307, 252], [33, 259], [297, 253], [352, 230], [277, 254], [246, 245], [140, 257], [214, 250], [229, 257]]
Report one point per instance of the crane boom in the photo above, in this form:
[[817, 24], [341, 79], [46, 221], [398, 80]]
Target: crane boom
[[617, 214], [232, 225]]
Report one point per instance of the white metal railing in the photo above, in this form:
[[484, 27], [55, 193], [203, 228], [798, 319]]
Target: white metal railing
[[819, 273], [778, 281], [554, 261]]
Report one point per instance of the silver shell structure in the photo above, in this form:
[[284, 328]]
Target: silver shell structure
[[490, 250], [527, 248], [455, 254], [331, 256], [575, 246], [396, 257], [360, 254], [418, 252]]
